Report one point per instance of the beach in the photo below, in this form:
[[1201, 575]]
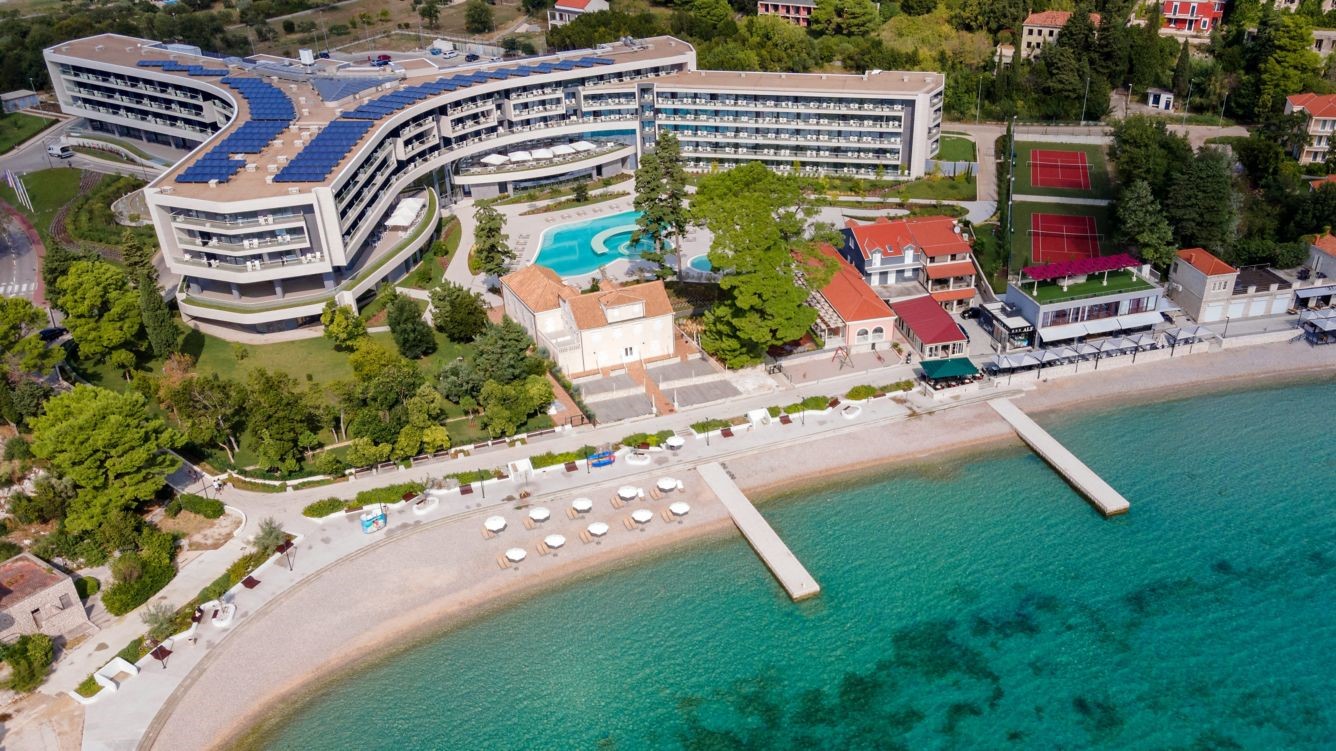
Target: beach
[[432, 576]]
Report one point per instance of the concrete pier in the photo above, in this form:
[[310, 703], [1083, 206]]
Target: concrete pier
[[1109, 501], [782, 562]]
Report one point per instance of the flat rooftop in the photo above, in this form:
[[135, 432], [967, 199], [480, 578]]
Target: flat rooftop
[[1259, 277], [22, 577], [1094, 286], [879, 82]]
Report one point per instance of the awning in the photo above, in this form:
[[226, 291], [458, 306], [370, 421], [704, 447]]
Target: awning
[[954, 367], [562, 150], [542, 153], [1137, 320], [1304, 294], [405, 213], [1058, 333], [1102, 325], [520, 156], [494, 159], [583, 146]]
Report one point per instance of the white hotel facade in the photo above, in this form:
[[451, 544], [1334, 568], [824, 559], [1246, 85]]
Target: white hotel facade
[[311, 182]]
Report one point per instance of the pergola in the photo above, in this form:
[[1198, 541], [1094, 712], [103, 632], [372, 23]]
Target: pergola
[[1319, 326], [1065, 270]]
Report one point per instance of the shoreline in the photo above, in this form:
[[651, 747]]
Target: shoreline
[[929, 437]]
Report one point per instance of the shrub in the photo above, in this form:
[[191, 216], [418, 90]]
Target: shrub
[[705, 426], [205, 507], [324, 508], [29, 661], [87, 586], [859, 393], [88, 688], [122, 597], [652, 439], [9, 550], [160, 619], [906, 385], [17, 449], [133, 651], [475, 475], [550, 458], [387, 494], [774, 411]]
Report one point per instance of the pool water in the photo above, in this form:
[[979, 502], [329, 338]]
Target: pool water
[[701, 263], [585, 247]]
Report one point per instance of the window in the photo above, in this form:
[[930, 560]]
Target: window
[[629, 352], [64, 602], [861, 336], [878, 334]]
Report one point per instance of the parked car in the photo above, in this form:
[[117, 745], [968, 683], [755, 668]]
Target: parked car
[[383, 58], [449, 54], [970, 312], [323, 55], [52, 334], [470, 58]]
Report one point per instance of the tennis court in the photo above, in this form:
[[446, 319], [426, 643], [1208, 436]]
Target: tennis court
[[1063, 237], [1052, 168]]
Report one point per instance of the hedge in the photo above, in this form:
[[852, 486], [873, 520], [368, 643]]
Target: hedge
[[123, 597], [205, 507], [475, 475], [324, 507], [861, 392], [652, 439], [387, 494], [906, 385], [86, 586], [551, 458], [705, 426], [810, 404], [88, 688]]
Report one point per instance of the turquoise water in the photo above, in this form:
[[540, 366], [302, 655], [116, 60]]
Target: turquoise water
[[570, 249], [976, 603], [701, 263]]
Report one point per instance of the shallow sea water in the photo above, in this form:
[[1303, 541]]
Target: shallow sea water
[[971, 603]]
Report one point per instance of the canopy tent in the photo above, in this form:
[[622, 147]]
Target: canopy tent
[[1186, 334], [520, 156], [583, 146], [1101, 325], [542, 153], [495, 160], [562, 150], [405, 213], [954, 367], [1137, 320], [1080, 267], [1304, 294], [1065, 331]]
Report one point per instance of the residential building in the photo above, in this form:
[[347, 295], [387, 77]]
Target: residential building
[[794, 11], [1089, 297], [1293, 5], [1324, 40], [37, 598], [1321, 182], [1191, 18], [280, 207], [586, 332], [903, 258], [1320, 110], [565, 11], [849, 313], [1043, 28], [1208, 289], [22, 99], [929, 329], [1322, 255]]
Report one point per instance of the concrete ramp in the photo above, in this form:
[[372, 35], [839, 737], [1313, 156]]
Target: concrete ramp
[[1109, 501]]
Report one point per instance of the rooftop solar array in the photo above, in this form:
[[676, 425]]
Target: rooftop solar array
[[324, 152], [174, 67], [270, 113]]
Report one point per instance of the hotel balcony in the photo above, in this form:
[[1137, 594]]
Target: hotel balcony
[[778, 104], [277, 220]]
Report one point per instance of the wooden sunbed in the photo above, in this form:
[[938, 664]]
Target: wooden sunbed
[[655, 494], [617, 502], [572, 513], [502, 561], [668, 516], [487, 534], [585, 537], [528, 523], [629, 523]]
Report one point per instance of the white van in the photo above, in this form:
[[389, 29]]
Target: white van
[[59, 150]]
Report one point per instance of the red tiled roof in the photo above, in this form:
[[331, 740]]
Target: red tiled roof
[[1057, 18], [1326, 243], [948, 270], [849, 295], [931, 235], [572, 4], [925, 317], [1205, 262], [1317, 184], [1317, 105]]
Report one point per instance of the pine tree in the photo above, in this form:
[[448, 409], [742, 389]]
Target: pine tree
[[457, 312], [1142, 225], [1183, 74], [491, 254], [164, 334], [138, 257], [661, 199], [411, 334]]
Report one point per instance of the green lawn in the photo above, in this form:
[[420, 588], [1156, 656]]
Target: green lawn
[[1100, 185], [109, 156], [988, 251], [1118, 281], [955, 149], [1022, 211], [49, 189], [17, 127], [938, 188]]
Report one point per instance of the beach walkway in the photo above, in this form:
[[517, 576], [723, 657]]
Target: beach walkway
[[1109, 501], [782, 562]]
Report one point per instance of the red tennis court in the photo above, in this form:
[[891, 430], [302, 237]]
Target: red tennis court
[[1059, 169], [1060, 237]]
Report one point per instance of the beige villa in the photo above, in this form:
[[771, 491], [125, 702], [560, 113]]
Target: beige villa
[[36, 598], [587, 332]]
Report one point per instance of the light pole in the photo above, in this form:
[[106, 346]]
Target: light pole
[[1222, 109], [1186, 104], [1086, 98], [978, 100]]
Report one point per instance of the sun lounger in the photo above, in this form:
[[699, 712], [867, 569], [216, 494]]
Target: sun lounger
[[668, 516], [585, 537], [502, 562], [528, 523], [572, 513], [488, 534], [629, 523], [655, 494], [617, 502], [543, 549]]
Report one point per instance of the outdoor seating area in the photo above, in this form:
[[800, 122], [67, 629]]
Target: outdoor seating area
[[1117, 346], [949, 373], [1319, 326]]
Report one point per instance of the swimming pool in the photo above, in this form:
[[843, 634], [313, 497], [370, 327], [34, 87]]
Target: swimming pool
[[701, 263], [585, 247]]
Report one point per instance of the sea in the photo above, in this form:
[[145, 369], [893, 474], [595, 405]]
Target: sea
[[974, 602]]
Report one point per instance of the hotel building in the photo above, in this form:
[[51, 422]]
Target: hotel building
[[318, 181]]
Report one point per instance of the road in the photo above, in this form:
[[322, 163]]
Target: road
[[18, 261]]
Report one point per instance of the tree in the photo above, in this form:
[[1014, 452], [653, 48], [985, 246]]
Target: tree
[[1142, 225], [1201, 205], [21, 346], [989, 15], [364, 452], [138, 257], [342, 325], [491, 254], [1183, 73], [1292, 65], [757, 219], [411, 334], [1144, 149], [477, 17], [29, 659], [501, 353], [846, 17], [661, 199], [506, 406], [779, 45], [160, 618], [280, 414], [210, 409], [459, 380], [430, 12], [108, 445], [918, 7], [269, 536], [58, 261], [101, 311], [457, 312], [164, 334]]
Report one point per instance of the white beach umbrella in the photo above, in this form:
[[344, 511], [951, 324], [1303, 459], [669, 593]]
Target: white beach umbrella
[[554, 541], [667, 483], [562, 150], [515, 555], [541, 153], [494, 523], [582, 505], [627, 492], [539, 514], [681, 508], [675, 442], [642, 515], [494, 160], [597, 529]]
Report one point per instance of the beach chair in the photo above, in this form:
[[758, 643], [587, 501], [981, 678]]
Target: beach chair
[[543, 549], [655, 494], [488, 534], [528, 523], [585, 537], [502, 562], [668, 516], [572, 513], [617, 502], [629, 523]]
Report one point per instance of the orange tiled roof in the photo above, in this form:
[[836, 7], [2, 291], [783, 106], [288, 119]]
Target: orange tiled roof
[[948, 270], [931, 235], [572, 4], [849, 295], [1205, 262], [1317, 184], [590, 310], [948, 295], [538, 287], [1326, 243], [1317, 105], [1056, 18]]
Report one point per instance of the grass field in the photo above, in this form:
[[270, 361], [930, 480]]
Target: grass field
[[1020, 218], [356, 35], [956, 149], [1100, 186], [49, 189], [17, 127]]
